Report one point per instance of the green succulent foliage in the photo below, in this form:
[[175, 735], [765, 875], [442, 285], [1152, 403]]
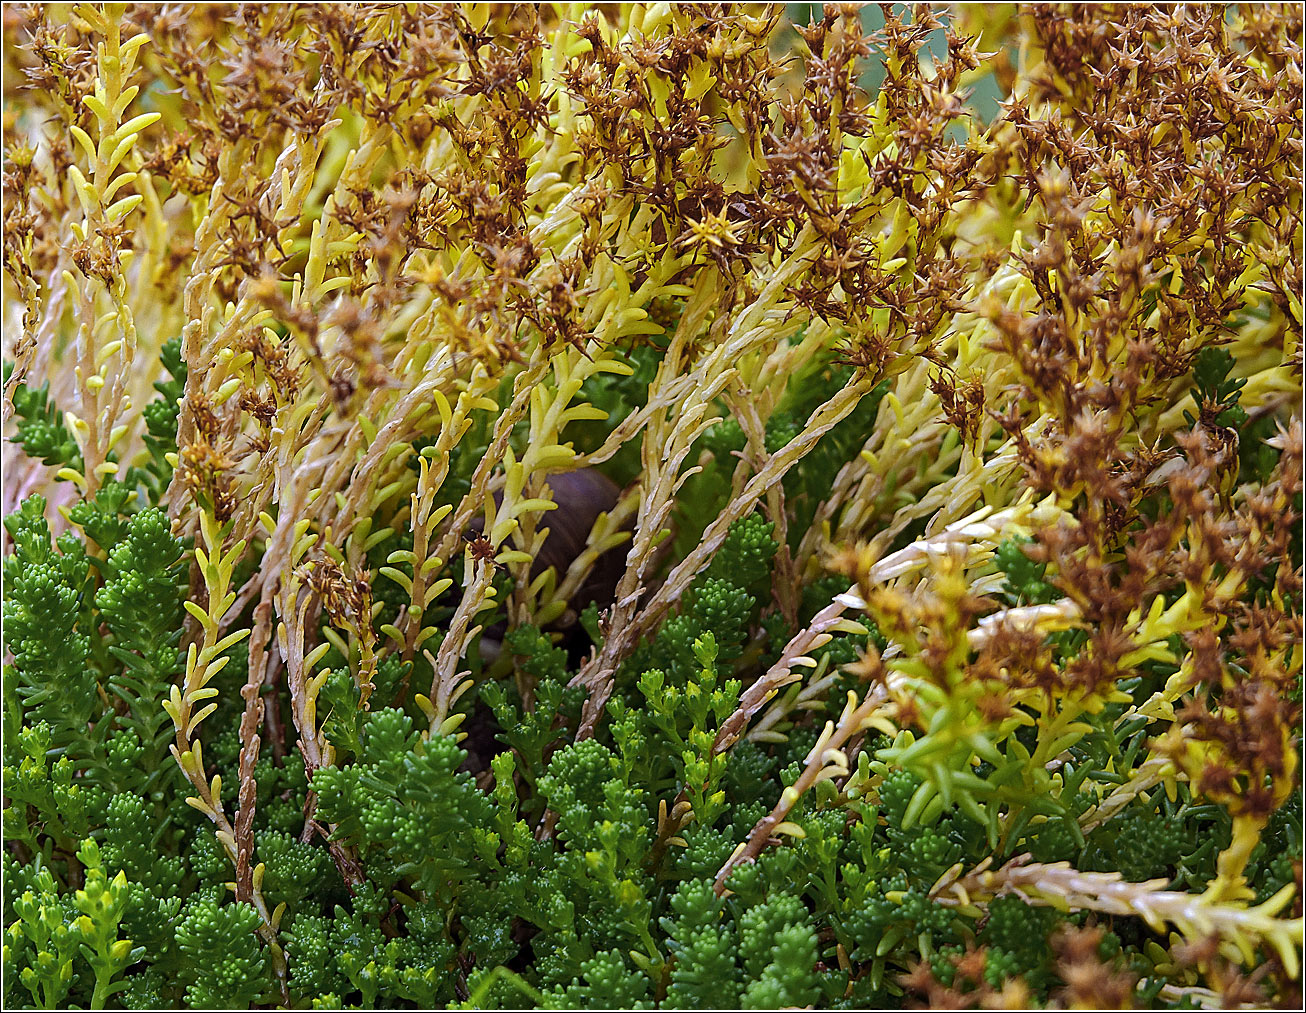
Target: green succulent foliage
[[606, 981], [224, 962], [130, 845], [1021, 931], [43, 801], [42, 944], [413, 966], [745, 557], [311, 969], [140, 603], [532, 732], [1215, 389], [46, 592], [163, 419], [294, 870], [893, 912], [1025, 584], [41, 430], [1060, 839], [703, 946], [101, 904], [343, 717], [160, 416], [679, 724], [1147, 845], [806, 487], [404, 803], [1279, 853], [712, 605], [777, 950], [67, 946], [102, 517], [617, 395], [1217, 395]]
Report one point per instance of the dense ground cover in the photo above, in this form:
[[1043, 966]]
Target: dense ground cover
[[658, 506]]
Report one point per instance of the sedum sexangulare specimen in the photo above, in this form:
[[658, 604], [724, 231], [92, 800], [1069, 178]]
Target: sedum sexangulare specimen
[[671, 506]]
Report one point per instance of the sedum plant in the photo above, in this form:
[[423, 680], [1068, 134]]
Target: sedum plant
[[660, 506]]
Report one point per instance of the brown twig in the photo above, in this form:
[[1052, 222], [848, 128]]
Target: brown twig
[[249, 748]]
